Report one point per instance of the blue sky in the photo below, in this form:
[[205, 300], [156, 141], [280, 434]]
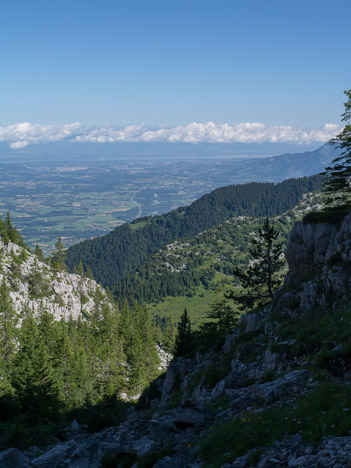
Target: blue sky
[[169, 63]]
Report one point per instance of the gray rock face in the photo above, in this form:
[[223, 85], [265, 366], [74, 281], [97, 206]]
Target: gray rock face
[[318, 255], [251, 322], [308, 248], [64, 295], [289, 383]]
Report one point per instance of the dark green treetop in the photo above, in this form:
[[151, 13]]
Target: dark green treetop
[[183, 342], [59, 257], [337, 185]]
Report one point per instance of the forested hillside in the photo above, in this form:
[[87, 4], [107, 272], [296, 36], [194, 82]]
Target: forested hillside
[[193, 271], [120, 252], [65, 347]]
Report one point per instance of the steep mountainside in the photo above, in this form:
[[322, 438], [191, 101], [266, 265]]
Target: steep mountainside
[[191, 272], [277, 393], [120, 252], [34, 285]]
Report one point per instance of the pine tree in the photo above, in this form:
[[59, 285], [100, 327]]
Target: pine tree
[[183, 342], [150, 356], [33, 373], [89, 273], [222, 315], [111, 376], [3, 232], [79, 269], [169, 336], [8, 322], [12, 233], [39, 253], [58, 259], [263, 275], [337, 184]]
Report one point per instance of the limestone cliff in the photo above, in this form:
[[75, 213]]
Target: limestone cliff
[[35, 285]]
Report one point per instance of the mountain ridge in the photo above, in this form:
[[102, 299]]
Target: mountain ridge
[[118, 253]]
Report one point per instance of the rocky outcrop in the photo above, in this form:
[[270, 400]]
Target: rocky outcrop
[[313, 246], [319, 258], [36, 286]]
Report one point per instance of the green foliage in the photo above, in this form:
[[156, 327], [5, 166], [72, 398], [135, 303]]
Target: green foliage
[[39, 253], [222, 316], [337, 182], [38, 286], [264, 273], [52, 371], [59, 256], [184, 342], [8, 330], [9, 233]]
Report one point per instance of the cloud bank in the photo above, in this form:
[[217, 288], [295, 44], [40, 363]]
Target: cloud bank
[[22, 134]]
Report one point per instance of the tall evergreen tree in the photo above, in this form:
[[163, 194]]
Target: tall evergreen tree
[[223, 315], [8, 322], [3, 231], [11, 230], [33, 373], [39, 253], [337, 184], [59, 256], [183, 342], [263, 274]]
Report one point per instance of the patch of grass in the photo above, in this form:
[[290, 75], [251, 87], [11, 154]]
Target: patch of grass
[[323, 412], [314, 331]]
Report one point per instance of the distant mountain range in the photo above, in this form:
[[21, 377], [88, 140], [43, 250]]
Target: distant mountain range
[[68, 151], [288, 165]]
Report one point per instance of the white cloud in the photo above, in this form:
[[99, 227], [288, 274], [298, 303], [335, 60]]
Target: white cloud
[[18, 144], [21, 134]]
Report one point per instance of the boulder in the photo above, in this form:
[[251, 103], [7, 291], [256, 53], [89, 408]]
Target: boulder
[[54, 457], [12, 458], [289, 383], [142, 446]]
